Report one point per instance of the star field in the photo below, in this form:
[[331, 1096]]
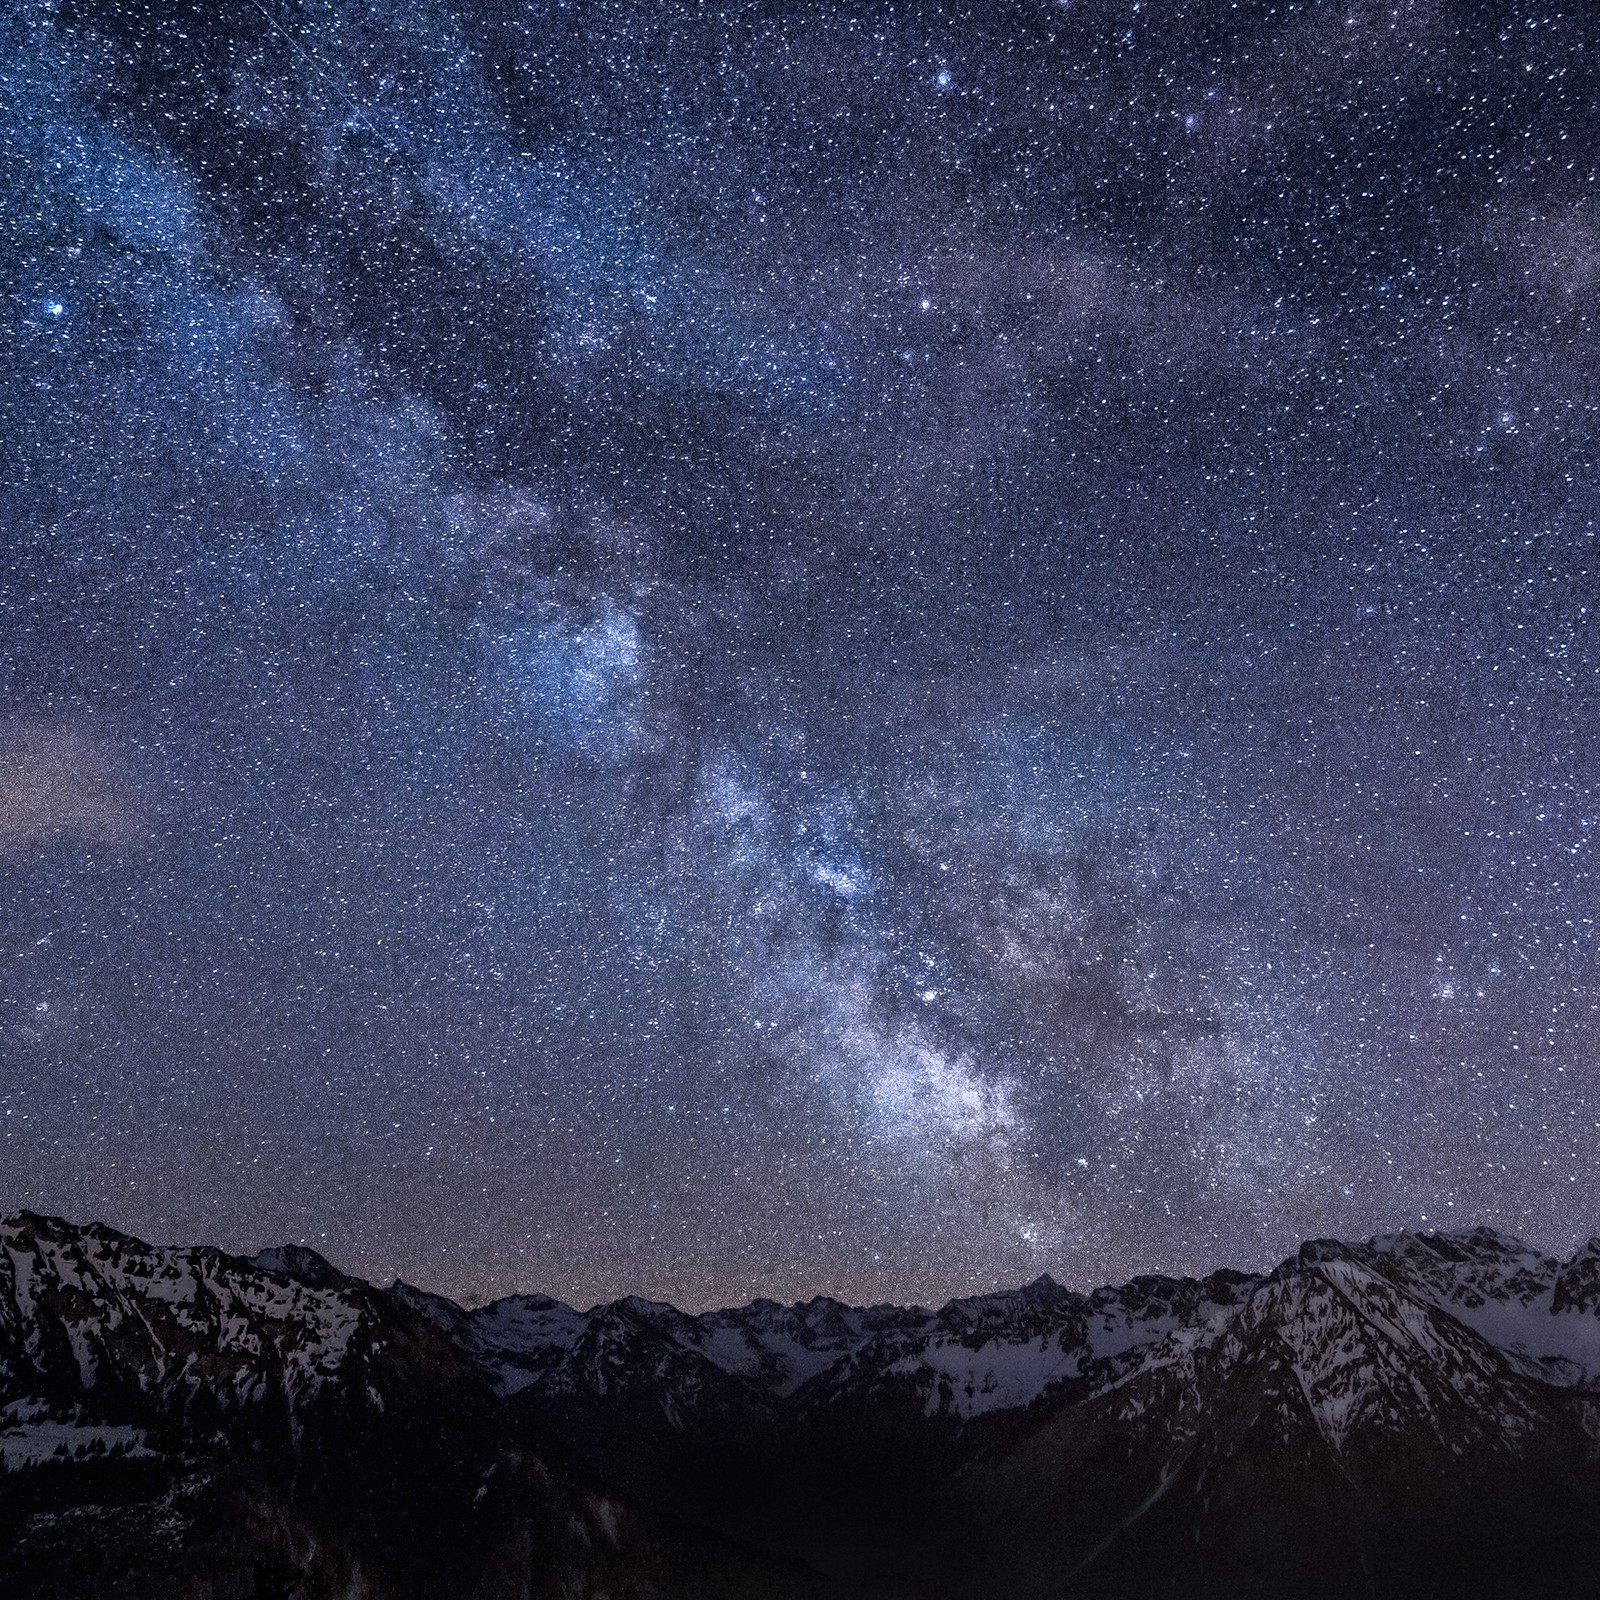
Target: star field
[[771, 649]]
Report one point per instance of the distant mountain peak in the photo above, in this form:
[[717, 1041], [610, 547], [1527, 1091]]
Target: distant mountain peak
[[303, 1264]]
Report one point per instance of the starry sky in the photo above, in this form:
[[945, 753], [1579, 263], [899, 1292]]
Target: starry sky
[[774, 648]]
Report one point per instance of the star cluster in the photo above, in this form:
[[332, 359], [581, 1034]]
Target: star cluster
[[716, 650]]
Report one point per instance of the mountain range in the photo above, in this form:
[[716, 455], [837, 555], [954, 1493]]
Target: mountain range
[[1418, 1414]]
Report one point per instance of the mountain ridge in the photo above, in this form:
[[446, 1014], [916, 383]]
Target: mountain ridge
[[1357, 1403]]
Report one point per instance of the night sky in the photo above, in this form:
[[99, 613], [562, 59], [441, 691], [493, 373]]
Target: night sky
[[789, 648]]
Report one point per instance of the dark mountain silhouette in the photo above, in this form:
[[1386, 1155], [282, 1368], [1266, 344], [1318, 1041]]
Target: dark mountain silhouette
[[1416, 1415]]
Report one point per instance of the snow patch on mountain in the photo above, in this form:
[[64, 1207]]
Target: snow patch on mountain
[[33, 1443]]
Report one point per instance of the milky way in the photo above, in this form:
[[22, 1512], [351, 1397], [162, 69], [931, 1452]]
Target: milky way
[[799, 647]]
